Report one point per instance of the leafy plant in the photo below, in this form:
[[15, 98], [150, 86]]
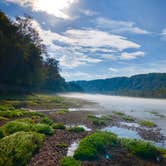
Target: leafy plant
[[18, 148], [69, 161]]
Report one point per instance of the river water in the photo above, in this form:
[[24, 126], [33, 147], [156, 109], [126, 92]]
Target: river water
[[142, 108]]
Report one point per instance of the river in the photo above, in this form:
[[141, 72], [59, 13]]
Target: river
[[142, 108]]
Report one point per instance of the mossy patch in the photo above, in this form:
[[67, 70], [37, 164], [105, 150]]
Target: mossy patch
[[69, 161], [147, 123]]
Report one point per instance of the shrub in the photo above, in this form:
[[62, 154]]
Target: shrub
[[76, 129], [98, 142], [15, 126], [59, 126], [140, 148], [147, 123], [96, 120], [18, 148], [44, 129], [69, 161], [46, 121]]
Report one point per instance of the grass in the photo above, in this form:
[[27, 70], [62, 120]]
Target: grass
[[59, 126], [162, 152], [25, 124], [97, 121], [127, 118], [46, 120], [18, 148], [3, 118], [157, 114], [146, 123], [62, 145], [44, 129], [69, 161], [118, 113], [64, 111], [140, 148], [76, 129], [91, 146]]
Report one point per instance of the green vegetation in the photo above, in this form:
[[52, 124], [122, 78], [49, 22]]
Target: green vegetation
[[162, 152], [97, 121], [118, 113], [140, 148], [145, 85], [127, 118], [59, 126], [18, 148], [147, 123], [76, 129], [44, 129], [3, 118], [62, 145], [62, 111], [157, 114], [91, 146], [69, 161], [46, 120]]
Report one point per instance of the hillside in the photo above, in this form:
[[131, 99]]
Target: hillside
[[145, 85]]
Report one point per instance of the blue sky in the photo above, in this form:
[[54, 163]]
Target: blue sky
[[95, 39]]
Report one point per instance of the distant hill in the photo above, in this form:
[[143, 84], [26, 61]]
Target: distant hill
[[145, 85]]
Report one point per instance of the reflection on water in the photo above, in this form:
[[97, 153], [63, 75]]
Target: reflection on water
[[72, 148], [122, 132]]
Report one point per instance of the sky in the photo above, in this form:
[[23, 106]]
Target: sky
[[97, 39]]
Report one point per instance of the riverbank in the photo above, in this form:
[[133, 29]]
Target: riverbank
[[72, 121]]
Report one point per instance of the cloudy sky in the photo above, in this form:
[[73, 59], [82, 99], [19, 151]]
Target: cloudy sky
[[95, 39]]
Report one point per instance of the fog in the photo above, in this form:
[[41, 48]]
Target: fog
[[134, 106]]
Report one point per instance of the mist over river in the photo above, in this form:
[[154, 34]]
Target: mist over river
[[141, 108]]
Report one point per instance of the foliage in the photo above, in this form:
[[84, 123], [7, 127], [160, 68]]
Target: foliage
[[140, 148], [18, 148], [147, 123], [76, 129], [145, 85], [46, 121], [127, 118], [44, 129], [62, 145], [22, 66], [59, 126], [69, 161], [98, 121], [91, 146]]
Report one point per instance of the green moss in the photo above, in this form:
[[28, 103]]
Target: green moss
[[3, 118], [118, 113], [18, 148], [96, 120], [69, 161], [62, 111], [147, 123], [59, 126], [15, 126], [140, 148], [91, 146], [44, 129], [162, 152], [127, 118], [76, 129], [46, 121]]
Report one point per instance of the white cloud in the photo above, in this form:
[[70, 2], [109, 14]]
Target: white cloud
[[113, 70], [115, 26], [57, 8], [164, 33], [132, 55], [95, 38], [88, 12]]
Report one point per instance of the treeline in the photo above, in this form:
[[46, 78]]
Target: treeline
[[25, 65], [145, 85]]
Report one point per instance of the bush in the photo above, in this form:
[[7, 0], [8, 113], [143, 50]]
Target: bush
[[147, 123], [96, 120], [76, 129], [140, 148], [59, 126], [18, 148], [46, 121], [44, 129], [98, 142], [69, 161], [15, 126]]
